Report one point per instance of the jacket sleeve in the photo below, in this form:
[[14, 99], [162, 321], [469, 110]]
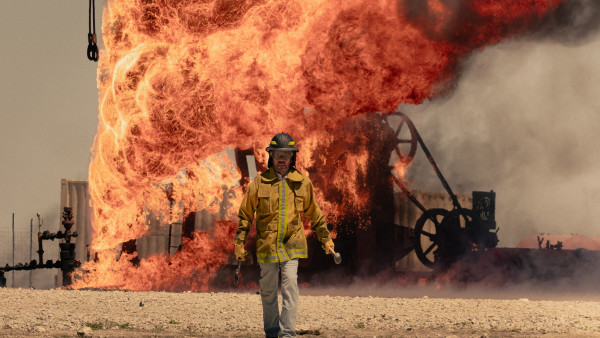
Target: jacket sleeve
[[246, 213], [314, 213]]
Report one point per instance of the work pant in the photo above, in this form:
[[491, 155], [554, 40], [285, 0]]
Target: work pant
[[276, 325]]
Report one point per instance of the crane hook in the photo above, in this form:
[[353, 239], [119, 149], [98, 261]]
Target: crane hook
[[92, 49]]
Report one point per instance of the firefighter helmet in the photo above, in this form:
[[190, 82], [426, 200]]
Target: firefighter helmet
[[282, 142]]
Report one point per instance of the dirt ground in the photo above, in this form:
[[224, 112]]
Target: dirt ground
[[391, 313]]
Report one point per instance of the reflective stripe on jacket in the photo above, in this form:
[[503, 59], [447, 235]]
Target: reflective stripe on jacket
[[279, 230]]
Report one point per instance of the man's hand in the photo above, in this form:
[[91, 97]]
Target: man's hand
[[240, 252], [328, 247]]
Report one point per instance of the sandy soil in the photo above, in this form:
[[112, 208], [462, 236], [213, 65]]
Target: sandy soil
[[27, 312]]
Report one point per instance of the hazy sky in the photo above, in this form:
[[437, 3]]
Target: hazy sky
[[524, 121], [48, 105]]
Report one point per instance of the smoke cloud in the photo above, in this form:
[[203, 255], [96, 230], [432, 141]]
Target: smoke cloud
[[523, 121], [573, 22]]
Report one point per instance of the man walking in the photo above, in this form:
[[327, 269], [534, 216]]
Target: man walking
[[278, 197]]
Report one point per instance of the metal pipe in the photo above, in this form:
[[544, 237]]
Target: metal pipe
[[40, 246], [13, 249], [30, 250]]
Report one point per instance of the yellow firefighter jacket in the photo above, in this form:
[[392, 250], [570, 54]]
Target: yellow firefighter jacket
[[278, 206]]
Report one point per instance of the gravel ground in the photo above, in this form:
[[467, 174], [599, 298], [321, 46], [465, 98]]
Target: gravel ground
[[27, 312]]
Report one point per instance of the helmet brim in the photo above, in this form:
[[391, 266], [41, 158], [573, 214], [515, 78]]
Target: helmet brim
[[269, 149]]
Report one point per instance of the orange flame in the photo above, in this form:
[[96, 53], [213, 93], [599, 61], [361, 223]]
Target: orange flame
[[181, 80]]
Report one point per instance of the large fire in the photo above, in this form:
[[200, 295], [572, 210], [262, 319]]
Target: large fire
[[181, 80]]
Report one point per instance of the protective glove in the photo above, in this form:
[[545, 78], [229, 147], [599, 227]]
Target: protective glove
[[240, 252], [328, 247]]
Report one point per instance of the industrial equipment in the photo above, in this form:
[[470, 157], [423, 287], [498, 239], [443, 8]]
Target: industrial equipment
[[67, 262], [442, 236]]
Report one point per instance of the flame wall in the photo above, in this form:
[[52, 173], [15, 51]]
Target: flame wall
[[181, 80]]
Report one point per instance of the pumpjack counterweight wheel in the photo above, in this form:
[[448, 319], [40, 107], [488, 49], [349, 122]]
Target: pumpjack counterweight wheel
[[406, 137], [443, 236], [427, 239]]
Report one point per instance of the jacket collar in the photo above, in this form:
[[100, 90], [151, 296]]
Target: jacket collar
[[294, 176], [271, 175]]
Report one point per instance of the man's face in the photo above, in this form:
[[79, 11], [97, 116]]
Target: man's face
[[281, 161]]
